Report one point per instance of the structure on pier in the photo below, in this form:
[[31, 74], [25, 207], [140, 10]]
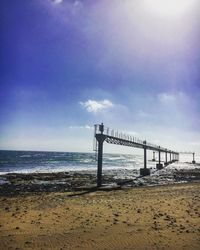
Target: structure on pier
[[103, 134], [189, 153]]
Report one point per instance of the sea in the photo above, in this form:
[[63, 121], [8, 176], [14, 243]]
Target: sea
[[38, 161], [119, 166], [45, 162]]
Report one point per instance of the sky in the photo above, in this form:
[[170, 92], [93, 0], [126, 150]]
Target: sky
[[66, 65]]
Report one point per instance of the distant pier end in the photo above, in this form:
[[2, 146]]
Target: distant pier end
[[189, 153]]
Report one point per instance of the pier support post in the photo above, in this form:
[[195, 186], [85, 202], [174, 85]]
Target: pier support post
[[193, 161], [154, 158], [159, 164], [166, 163], [100, 138], [145, 157], [170, 156], [145, 171]]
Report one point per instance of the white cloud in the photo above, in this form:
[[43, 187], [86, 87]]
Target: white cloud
[[93, 106], [195, 143], [70, 7], [81, 127], [166, 98], [143, 114], [178, 97], [57, 1], [77, 3]]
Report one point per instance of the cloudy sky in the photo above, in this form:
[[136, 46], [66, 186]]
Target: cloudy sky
[[68, 64]]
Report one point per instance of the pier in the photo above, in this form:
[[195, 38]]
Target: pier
[[189, 153], [104, 134]]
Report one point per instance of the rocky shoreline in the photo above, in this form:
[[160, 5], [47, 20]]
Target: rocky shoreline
[[16, 184]]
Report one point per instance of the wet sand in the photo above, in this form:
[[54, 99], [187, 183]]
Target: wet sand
[[161, 217]]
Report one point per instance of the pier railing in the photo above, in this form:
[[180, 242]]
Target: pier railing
[[121, 136]]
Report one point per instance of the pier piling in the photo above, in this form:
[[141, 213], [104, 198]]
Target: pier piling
[[145, 171], [100, 138], [166, 162], [193, 161], [159, 164], [154, 157]]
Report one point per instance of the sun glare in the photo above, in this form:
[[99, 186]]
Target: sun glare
[[169, 8]]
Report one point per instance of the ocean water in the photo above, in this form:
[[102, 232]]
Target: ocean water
[[41, 162], [32, 161]]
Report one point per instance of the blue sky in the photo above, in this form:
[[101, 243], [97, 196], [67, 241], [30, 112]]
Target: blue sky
[[66, 65]]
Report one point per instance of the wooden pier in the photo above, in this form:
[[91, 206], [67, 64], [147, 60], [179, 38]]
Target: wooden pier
[[103, 134]]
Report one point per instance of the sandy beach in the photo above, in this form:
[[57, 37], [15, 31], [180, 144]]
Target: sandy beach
[[162, 217]]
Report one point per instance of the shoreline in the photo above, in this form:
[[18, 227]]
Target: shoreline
[[15, 184]]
